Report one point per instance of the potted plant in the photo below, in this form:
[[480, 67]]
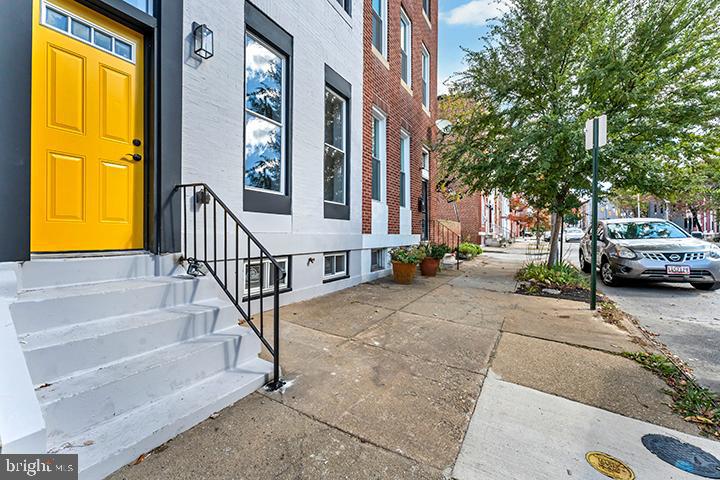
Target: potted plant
[[404, 262], [434, 252], [467, 250]]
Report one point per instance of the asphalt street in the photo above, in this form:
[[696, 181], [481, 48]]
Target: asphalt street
[[685, 319]]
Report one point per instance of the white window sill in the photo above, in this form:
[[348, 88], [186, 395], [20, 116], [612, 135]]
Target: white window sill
[[427, 20], [381, 57], [406, 86], [341, 11], [427, 112]]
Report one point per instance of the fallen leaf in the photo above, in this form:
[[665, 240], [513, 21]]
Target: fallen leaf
[[140, 459], [699, 419]]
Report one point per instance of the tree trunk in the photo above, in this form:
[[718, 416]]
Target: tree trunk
[[556, 224], [695, 220]]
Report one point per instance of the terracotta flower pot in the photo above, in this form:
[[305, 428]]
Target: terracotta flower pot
[[403, 272], [429, 266]]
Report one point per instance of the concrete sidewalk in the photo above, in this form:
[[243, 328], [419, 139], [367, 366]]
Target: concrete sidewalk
[[384, 378]]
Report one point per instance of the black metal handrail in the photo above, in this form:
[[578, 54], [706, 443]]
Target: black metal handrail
[[202, 196], [441, 233]]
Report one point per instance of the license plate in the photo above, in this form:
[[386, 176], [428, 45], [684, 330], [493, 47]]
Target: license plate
[[677, 269]]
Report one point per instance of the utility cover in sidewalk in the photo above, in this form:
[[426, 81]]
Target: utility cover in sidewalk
[[684, 456], [609, 466]]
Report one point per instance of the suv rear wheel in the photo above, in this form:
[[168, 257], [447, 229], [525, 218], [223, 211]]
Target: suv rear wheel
[[584, 264], [706, 286]]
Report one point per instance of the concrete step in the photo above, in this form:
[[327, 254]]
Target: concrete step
[[76, 403], [120, 440], [44, 272], [59, 352], [55, 307]]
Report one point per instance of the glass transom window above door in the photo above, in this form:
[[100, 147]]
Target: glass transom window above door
[[84, 30], [265, 151]]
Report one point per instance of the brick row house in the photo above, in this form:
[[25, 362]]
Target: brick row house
[[399, 107], [174, 171]]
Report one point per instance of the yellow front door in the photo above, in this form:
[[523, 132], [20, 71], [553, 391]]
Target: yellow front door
[[87, 131]]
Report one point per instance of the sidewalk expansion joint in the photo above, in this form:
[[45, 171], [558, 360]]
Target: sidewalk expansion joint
[[360, 438], [569, 344]]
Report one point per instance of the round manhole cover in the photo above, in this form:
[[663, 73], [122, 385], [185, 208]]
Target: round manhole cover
[[609, 466], [683, 455]]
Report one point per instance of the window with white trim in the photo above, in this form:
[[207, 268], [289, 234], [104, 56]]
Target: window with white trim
[[85, 31], [335, 147], [265, 162], [335, 265], [425, 160], [405, 48], [377, 259], [378, 155], [425, 78], [379, 26], [257, 273], [404, 167], [426, 8]]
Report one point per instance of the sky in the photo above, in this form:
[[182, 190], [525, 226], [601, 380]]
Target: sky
[[462, 23]]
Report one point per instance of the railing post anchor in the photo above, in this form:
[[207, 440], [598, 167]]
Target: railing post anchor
[[194, 268], [275, 385]]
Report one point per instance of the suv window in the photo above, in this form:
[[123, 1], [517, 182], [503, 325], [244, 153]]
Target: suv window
[[644, 230]]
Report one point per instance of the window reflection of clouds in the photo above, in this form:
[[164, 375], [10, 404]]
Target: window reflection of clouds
[[263, 80], [264, 118]]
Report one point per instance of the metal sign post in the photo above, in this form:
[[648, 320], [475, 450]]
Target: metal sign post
[[595, 137]]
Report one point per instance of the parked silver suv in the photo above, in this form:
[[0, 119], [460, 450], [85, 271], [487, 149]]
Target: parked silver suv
[[654, 250]]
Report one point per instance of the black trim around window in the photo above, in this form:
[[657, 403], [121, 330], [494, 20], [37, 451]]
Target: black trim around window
[[347, 266], [342, 87], [288, 275], [261, 26]]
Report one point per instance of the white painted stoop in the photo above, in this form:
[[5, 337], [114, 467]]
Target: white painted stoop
[[126, 352]]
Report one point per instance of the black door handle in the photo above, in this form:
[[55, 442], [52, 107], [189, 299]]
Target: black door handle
[[135, 156]]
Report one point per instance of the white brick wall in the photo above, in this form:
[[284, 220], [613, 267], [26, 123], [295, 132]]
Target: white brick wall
[[213, 102]]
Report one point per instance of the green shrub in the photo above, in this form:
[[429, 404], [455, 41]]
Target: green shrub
[[559, 275], [436, 250], [470, 249], [407, 254]]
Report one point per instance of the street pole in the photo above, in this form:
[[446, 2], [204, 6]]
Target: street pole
[[593, 260]]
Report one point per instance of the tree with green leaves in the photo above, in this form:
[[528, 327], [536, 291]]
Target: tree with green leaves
[[653, 66]]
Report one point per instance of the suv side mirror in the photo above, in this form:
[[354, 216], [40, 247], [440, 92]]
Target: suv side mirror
[[698, 235]]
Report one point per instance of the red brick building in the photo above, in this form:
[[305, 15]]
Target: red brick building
[[399, 109]]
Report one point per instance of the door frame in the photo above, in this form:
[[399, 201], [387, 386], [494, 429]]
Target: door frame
[[163, 45]]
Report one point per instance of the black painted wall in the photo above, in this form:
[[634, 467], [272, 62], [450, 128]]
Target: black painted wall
[[16, 58]]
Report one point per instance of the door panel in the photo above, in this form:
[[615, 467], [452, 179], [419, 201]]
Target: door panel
[[115, 189], [87, 107], [115, 105], [66, 188], [66, 90]]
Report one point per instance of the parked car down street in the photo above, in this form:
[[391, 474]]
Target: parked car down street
[[573, 234], [651, 250]]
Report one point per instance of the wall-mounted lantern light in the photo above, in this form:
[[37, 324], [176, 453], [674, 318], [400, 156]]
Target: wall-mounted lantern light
[[203, 41]]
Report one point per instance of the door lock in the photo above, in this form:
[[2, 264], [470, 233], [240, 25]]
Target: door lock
[[136, 142]]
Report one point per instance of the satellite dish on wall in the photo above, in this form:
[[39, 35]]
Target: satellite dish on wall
[[443, 125]]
